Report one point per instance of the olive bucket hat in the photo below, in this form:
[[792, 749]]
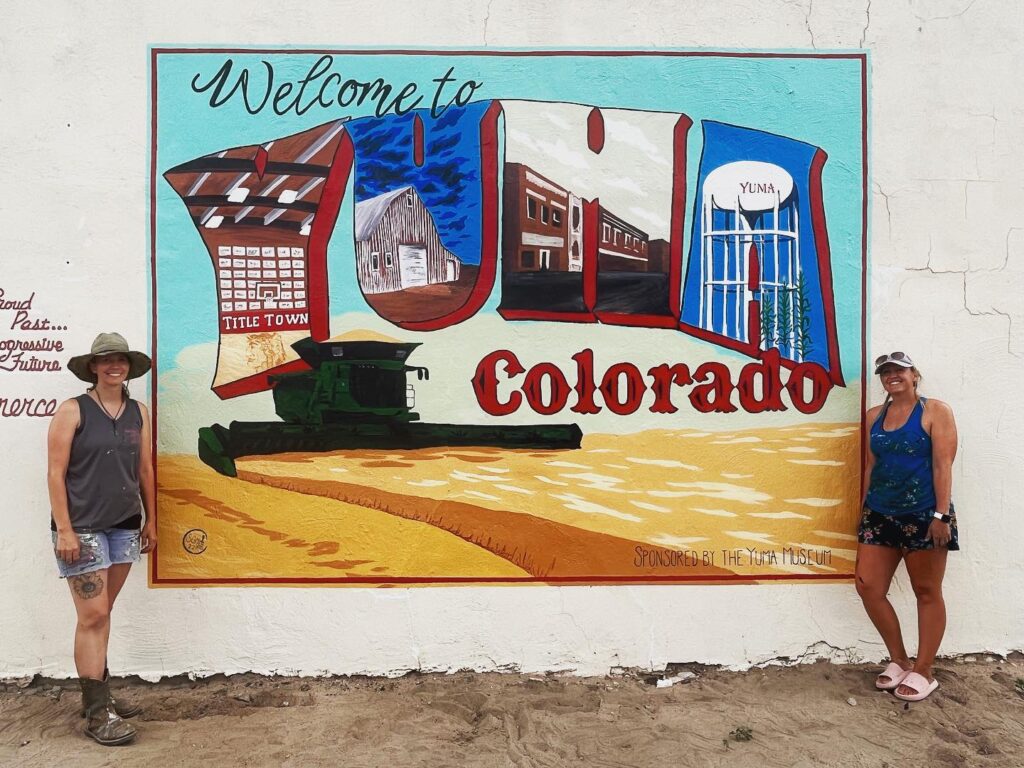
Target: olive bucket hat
[[107, 344]]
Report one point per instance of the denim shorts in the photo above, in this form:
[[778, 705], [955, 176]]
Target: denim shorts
[[904, 531], [101, 549]]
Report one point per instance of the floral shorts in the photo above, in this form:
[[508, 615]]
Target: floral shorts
[[903, 532]]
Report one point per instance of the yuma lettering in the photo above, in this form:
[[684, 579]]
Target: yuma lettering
[[757, 186], [623, 387], [322, 88]]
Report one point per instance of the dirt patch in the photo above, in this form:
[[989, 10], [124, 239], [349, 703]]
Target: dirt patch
[[426, 302], [811, 715]]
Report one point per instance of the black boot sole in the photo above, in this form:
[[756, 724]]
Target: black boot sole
[[110, 742]]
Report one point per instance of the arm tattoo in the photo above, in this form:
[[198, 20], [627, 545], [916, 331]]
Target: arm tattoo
[[87, 586]]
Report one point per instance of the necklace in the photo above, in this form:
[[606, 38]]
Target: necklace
[[113, 417]]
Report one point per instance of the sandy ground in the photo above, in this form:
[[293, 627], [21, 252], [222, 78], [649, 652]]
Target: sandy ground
[[810, 715]]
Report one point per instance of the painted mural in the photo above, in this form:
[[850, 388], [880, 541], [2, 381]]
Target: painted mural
[[462, 318]]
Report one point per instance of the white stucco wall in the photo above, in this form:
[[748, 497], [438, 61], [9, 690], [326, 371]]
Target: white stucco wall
[[946, 250]]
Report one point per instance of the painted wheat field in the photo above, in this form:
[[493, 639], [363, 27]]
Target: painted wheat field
[[654, 506]]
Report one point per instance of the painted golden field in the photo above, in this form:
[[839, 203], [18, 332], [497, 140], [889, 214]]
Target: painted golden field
[[645, 507]]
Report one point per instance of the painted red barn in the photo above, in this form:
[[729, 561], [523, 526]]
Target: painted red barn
[[397, 245]]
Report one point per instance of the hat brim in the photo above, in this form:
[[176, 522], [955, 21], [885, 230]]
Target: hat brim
[[900, 363], [138, 365]]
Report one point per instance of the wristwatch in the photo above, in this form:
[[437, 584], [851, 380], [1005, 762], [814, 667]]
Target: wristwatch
[[942, 517]]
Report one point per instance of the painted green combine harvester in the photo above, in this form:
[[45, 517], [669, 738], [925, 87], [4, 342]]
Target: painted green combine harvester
[[356, 395]]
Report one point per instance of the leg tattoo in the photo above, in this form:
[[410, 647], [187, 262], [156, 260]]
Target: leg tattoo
[[87, 586]]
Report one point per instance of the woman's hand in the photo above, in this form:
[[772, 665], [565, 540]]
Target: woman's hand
[[67, 547], [939, 532], [148, 537]]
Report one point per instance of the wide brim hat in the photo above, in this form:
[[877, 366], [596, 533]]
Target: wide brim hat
[[107, 344]]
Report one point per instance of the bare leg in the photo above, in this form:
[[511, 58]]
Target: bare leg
[[118, 574], [927, 568], [875, 568], [89, 591]]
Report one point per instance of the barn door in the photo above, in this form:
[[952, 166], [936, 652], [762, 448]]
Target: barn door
[[412, 265]]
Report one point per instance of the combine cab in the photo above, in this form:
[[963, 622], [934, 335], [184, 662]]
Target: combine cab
[[357, 395]]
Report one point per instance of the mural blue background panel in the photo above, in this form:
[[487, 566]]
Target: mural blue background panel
[[729, 271], [448, 182]]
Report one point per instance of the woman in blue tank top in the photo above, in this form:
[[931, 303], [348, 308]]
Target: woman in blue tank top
[[100, 479], [909, 516]]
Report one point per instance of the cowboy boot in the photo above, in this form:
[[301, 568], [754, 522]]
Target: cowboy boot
[[124, 709], [102, 724]]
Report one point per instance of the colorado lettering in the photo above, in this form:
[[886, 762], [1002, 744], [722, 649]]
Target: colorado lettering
[[622, 387]]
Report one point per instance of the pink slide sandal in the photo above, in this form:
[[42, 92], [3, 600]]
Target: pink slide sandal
[[922, 688], [895, 673]]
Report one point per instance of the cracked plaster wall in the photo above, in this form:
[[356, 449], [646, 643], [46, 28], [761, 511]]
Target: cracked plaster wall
[[946, 252]]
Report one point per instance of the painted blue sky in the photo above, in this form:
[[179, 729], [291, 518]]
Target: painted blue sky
[[448, 182], [816, 99]]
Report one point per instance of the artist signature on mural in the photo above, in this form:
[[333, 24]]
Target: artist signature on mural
[[743, 556], [194, 541]]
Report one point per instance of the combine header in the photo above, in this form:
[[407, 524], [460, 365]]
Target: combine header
[[355, 396]]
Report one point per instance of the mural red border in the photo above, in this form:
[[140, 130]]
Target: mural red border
[[257, 382], [562, 580], [489, 230], [155, 53], [821, 245], [320, 235]]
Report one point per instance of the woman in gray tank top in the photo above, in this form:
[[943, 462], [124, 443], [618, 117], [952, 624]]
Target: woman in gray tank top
[[100, 479]]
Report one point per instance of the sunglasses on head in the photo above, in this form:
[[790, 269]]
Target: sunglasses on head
[[891, 356]]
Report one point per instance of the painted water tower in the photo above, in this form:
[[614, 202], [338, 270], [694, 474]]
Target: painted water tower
[[759, 273], [750, 250]]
